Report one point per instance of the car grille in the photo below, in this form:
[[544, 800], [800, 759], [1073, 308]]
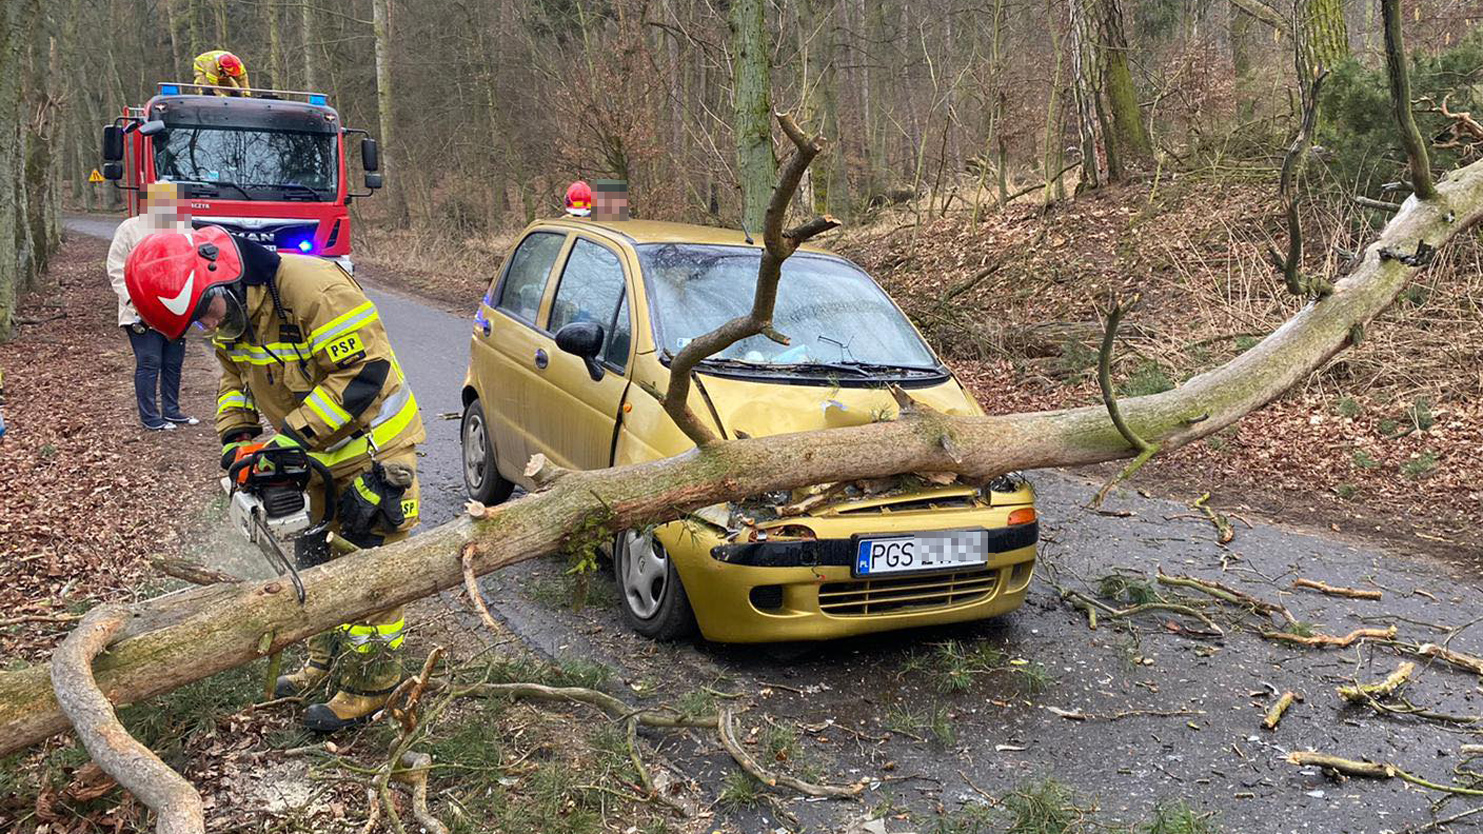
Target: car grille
[[864, 597]]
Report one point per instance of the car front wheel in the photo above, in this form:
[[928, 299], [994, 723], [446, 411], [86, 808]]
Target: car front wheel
[[654, 601], [480, 475]]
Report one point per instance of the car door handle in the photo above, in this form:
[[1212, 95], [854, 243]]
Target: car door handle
[[542, 360]]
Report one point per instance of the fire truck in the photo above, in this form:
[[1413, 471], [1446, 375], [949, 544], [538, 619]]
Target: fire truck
[[269, 167]]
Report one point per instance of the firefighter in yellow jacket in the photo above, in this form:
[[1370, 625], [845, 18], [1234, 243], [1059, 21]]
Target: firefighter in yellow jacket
[[302, 347], [221, 69]]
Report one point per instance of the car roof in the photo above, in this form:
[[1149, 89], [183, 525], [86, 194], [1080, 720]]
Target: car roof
[[655, 231]]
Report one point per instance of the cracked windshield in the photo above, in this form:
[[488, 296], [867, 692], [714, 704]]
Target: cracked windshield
[[831, 312]]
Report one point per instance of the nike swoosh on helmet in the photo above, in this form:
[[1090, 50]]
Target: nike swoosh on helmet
[[181, 301]]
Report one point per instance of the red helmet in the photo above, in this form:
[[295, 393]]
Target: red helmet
[[579, 199], [230, 64], [176, 278]]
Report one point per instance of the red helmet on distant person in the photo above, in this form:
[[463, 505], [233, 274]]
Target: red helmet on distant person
[[579, 199], [176, 278], [230, 64]]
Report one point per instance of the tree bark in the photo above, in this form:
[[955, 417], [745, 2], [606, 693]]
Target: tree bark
[[395, 192], [1128, 134], [1086, 74], [308, 32], [272, 15], [756, 167], [188, 635]]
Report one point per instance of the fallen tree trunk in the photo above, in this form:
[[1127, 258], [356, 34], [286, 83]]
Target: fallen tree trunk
[[185, 636]]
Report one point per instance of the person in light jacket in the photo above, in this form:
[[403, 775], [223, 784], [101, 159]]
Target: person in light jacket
[[157, 359]]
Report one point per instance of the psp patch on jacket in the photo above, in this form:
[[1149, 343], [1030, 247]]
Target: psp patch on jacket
[[345, 350]]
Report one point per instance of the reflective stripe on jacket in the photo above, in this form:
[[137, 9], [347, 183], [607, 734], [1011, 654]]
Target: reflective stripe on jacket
[[327, 375]]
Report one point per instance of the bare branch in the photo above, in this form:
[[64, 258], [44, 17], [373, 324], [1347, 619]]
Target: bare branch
[[1400, 96], [777, 246], [1266, 14], [1292, 171], [1375, 204], [1145, 449], [131, 764]]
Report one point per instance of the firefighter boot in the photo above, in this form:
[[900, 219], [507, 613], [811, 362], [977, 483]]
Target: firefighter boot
[[315, 669], [371, 670]]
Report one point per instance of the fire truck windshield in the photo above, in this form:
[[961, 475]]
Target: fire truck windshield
[[248, 164]]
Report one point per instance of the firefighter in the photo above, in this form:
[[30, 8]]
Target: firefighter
[[579, 199], [222, 70], [301, 345]]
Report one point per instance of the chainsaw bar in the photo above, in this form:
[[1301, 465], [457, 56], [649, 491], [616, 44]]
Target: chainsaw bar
[[280, 562]]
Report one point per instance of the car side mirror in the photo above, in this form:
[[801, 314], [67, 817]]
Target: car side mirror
[[370, 155], [113, 143], [151, 127], [584, 339], [113, 171], [373, 181]]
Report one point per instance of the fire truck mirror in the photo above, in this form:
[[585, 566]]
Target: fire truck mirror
[[151, 127], [373, 181], [113, 143], [370, 158], [113, 171]]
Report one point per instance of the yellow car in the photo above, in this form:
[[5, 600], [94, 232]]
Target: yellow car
[[584, 318]]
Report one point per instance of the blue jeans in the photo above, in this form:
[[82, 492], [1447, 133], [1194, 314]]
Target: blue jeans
[[157, 362]]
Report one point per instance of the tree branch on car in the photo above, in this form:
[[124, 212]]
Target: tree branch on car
[[778, 244]]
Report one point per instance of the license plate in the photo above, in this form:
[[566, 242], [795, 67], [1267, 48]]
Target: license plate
[[921, 552]]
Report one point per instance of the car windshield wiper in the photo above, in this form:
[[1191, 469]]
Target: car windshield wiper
[[215, 185], [780, 367], [888, 367]]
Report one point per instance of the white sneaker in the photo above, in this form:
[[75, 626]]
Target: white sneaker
[[182, 421], [160, 427]]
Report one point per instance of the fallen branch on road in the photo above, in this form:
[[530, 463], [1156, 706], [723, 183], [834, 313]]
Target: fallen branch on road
[[1326, 640], [1274, 715], [1227, 594], [1335, 590], [1364, 692], [1372, 770]]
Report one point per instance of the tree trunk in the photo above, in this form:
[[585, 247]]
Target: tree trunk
[[271, 18], [756, 167], [1086, 74], [1242, 33], [1321, 42], [186, 636], [1128, 136], [173, 25], [308, 34], [17, 26], [395, 192]]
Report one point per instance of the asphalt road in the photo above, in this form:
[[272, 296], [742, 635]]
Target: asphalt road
[[1165, 712]]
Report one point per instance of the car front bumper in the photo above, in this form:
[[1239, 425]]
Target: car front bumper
[[775, 591]]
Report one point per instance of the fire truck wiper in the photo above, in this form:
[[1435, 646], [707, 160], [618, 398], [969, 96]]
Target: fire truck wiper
[[300, 187], [217, 186]]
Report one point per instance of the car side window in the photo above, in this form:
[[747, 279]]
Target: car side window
[[616, 351], [591, 289], [525, 279]]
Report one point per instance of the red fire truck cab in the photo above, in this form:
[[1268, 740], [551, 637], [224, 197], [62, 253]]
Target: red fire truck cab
[[268, 168]]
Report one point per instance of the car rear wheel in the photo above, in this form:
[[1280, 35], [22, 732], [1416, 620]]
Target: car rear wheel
[[654, 601], [480, 475]]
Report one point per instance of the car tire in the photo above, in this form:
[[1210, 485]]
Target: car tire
[[481, 475], [650, 593]]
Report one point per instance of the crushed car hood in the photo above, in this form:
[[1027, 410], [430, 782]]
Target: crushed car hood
[[765, 407]]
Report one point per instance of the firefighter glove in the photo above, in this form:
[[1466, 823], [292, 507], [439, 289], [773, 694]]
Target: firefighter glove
[[372, 505]]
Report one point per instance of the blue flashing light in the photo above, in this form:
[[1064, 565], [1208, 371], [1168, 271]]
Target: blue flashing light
[[319, 99], [305, 245], [169, 89]]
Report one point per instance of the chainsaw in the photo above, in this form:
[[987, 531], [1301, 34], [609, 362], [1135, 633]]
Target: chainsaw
[[268, 488]]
